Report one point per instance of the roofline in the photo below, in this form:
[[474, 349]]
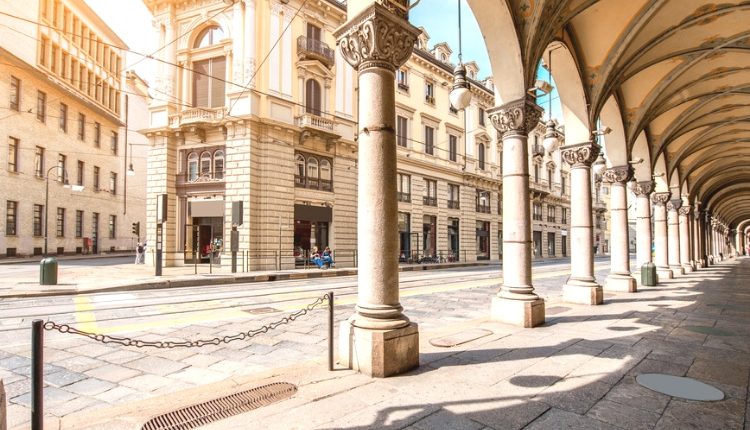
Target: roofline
[[98, 20]]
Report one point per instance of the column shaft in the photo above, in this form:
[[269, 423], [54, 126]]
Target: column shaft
[[684, 226], [660, 235], [673, 234], [643, 229], [619, 278]]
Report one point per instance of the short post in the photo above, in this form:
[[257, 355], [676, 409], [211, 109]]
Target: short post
[[37, 375], [157, 264], [234, 245], [330, 330]]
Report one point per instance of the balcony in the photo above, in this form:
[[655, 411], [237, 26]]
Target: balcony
[[403, 197], [453, 204], [485, 209], [308, 120], [429, 100], [429, 201], [537, 150], [198, 115], [311, 49], [313, 183]]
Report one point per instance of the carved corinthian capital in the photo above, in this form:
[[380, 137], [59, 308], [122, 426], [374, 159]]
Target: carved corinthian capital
[[376, 38], [674, 204], [660, 199], [516, 117], [580, 155], [685, 210], [643, 188], [618, 174]]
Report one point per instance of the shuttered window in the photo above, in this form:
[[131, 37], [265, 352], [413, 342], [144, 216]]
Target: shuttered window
[[208, 82]]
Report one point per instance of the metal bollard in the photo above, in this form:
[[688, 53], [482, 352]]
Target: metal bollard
[[330, 330], [37, 375]]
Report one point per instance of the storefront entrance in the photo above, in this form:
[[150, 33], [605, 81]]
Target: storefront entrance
[[311, 229], [204, 240]]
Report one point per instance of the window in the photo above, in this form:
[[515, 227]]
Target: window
[[429, 140], [429, 93], [483, 240], [37, 220], [536, 173], [113, 142], [208, 82], [325, 174], [402, 133], [65, 61], [551, 212], [402, 79], [15, 93], [81, 126], [63, 119], [313, 32], [39, 162], [312, 97], [598, 221], [551, 244], [563, 180], [96, 178], [454, 196], [79, 173], [11, 218], [209, 36], [60, 222], [564, 217], [452, 147], [41, 106], [430, 193], [97, 134], [550, 176], [192, 167], [219, 165], [79, 224], [537, 211], [313, 172], [480, 114], [113, 182], [112, 226], [404, 188], [53, 58], [480, 155], [13, 154], [299, 175], [483, 201], [62, 171], [205, 165]]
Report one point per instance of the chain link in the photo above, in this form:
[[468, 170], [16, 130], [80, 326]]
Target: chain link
[[126, 341]]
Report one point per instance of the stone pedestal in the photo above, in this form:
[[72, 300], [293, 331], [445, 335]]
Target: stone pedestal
[[378, 353], [583, 294], [521, 313], [621, 283], [664, 273]]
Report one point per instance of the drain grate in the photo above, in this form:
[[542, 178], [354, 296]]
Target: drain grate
[[224, 407], [264, 310]]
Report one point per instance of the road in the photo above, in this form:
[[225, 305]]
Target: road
[[83, 374]]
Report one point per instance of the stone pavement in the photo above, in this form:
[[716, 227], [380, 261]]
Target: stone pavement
[[576, 371]]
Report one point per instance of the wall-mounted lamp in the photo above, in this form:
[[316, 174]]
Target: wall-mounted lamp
[[602, 131], [636, 160]]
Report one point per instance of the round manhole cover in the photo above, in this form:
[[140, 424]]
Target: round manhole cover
[[677, 386]]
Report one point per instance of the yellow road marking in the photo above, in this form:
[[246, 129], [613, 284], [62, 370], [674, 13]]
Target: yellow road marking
[[84, 314]]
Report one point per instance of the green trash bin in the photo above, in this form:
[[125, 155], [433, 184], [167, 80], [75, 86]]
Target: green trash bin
[[648, 275], [48, 271]]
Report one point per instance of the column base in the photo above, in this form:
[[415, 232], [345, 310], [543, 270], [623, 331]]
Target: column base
[[623, 283], [677, 270], [524, 313], [687, 268], [664, 273], [698, 265], [583, 294], [379, 353]]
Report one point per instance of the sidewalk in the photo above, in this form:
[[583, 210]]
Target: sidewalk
[[577, 371]]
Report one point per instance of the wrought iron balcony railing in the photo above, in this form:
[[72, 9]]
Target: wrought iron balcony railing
[[312, 49]]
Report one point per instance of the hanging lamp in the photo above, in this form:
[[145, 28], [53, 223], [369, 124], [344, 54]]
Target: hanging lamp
[[460, 95], [551, 141]]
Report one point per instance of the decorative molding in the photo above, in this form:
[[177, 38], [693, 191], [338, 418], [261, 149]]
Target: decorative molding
[[376, 38], [685, 210], [518, 117], [580, 155], [660, 199], [643, 188], [619, 174], [674, 204]]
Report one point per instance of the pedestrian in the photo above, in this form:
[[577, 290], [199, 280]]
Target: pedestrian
[[315, 258], [138, 253], [143, 254], [328, 257]]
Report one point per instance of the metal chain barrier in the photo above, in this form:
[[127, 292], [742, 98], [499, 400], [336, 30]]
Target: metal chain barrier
[[125, 341]]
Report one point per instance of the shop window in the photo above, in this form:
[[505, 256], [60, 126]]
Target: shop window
[[313, 172]]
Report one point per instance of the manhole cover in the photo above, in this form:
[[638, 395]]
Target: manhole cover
[[554, 310], [617, 328], [459, 338], [224, 407], [266, 310], [708, 330], [677, 386]]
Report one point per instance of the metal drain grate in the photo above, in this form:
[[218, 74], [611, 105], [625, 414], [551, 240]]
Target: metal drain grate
[[224, 407]]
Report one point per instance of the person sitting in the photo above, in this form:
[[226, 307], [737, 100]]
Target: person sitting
[[328, 257], [316, 258]]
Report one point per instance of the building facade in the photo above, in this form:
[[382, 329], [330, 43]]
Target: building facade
[[254, 105], [62, 120]]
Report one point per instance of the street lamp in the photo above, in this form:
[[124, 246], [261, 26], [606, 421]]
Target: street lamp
[[64, 178]]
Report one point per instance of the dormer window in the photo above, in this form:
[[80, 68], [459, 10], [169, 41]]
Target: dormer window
[[443, 57], [208, 37]]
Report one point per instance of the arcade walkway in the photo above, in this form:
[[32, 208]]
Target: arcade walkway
[[576, 371]]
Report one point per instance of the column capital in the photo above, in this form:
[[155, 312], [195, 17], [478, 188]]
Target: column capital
[[580, 154], [376, 38], [517, 117], [660, 199], [618, 174], [685, 210], [674, 204], [643, 188]]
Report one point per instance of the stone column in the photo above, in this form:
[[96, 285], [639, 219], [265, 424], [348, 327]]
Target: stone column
[[619, 278], [695, 232], [516, 302], [685, 254], [378, 340], [644, 236], [673, 236], [581, 286], [660, 234]]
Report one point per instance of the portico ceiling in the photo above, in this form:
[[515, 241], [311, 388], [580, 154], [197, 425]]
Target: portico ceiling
[[679, 70]]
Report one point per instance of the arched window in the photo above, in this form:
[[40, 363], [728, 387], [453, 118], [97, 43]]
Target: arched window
[[209, 36], [325, 175], [299, 176], [205, 164], [480, 155], [312, 97], [312, 169], [219, 164], [192, 167]]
